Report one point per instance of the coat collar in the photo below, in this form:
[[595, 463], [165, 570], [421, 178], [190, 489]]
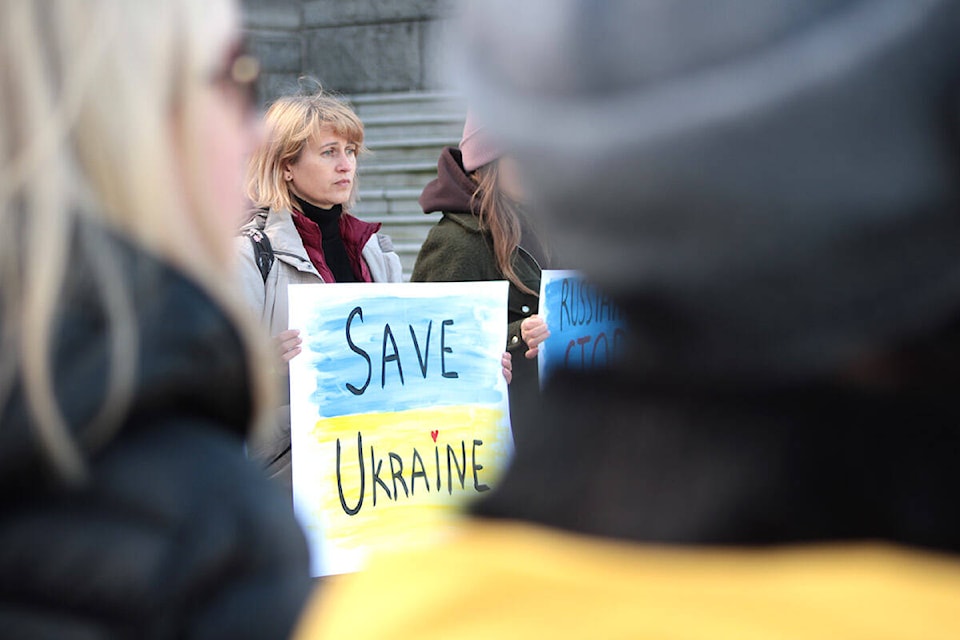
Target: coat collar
[[286, 241]]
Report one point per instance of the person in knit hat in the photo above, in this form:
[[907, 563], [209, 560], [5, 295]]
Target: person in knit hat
[[476, 146], [769, 191], [486, 234]]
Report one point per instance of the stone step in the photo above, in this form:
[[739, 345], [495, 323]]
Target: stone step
[[390, 194], [389, 202], [398, 220], [383, 207], [393, 156], [401, 127], [398, 167], [407, 103], [406, 150], [407, 175], [380, 144]]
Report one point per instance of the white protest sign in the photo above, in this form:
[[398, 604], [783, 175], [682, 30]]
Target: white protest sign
[[399, 412]]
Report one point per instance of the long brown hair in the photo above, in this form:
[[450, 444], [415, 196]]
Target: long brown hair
[[500, 216]]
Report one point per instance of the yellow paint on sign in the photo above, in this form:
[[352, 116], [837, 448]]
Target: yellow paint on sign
[[425, 460]]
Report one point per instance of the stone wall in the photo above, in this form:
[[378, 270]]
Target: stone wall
[[349, 46]]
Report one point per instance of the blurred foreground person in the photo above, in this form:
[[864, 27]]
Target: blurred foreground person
[[127, 382], [770, 192]]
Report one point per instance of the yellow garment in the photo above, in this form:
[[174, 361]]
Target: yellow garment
[[497, 580]]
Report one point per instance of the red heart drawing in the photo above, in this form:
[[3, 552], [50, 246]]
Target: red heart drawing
[[434, 434]]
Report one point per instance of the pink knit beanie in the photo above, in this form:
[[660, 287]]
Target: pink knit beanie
[[476, 146]]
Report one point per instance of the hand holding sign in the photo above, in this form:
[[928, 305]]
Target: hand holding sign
[[533, 330], [288, 344], [506, 364]]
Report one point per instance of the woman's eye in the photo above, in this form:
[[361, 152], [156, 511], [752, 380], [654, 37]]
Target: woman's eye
[[327, 153], [351, 151]]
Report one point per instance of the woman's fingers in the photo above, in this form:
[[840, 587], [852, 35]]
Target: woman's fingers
[[288, 344], [506, 364], [534, 331], [533, 328]]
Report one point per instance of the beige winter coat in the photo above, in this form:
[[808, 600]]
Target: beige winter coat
[[267, 299]]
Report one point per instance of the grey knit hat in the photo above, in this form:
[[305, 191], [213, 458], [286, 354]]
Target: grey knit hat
[[769, 188]]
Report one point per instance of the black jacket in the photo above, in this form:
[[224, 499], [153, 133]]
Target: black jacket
[[176, 534]]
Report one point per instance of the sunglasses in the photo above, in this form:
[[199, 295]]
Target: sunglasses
[[239, 77]]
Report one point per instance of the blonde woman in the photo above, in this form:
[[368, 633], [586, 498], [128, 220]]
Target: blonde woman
[[127, 380], [303, 181]]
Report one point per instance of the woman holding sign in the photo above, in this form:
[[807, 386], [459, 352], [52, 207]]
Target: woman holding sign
[[303, 181], [485, 234]]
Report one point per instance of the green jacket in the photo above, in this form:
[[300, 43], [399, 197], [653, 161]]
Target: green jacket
[[456, 250]]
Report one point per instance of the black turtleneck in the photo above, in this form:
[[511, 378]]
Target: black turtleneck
[[334, 251]]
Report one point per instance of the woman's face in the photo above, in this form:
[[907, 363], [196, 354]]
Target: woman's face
[[323, 173], [233, 131], [218, 128]]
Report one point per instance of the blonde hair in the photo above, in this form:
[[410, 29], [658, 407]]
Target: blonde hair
[[498, 215], [100, 105], [291, 122]]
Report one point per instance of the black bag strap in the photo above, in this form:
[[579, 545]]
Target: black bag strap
[[262, 250]]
